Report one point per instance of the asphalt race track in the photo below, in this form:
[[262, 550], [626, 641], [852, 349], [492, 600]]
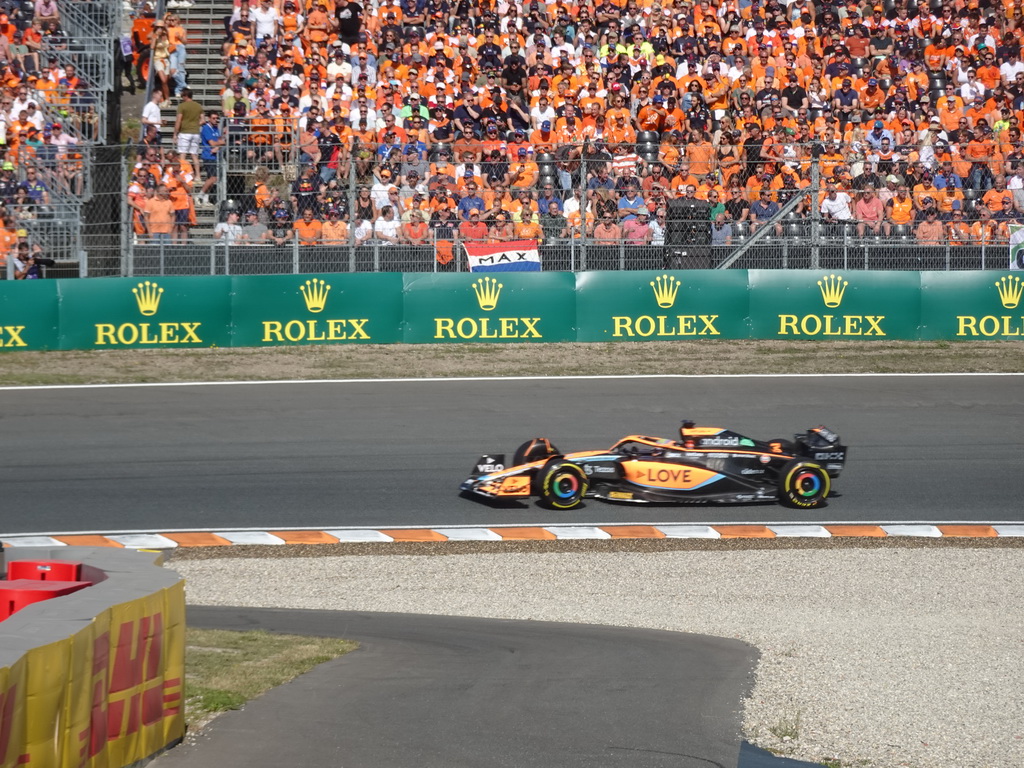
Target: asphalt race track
[[323, 455], [444, 692]]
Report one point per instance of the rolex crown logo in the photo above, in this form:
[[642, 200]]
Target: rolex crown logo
[[1010, 290], [665, 290], [487, 290], [315, 293], [832, 289], [147, 296]]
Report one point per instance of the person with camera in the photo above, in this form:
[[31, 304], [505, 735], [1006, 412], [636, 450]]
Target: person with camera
[[29, 263]]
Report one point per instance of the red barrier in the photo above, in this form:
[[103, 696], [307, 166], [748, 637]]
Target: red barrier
[[44, 570], [15, 595]]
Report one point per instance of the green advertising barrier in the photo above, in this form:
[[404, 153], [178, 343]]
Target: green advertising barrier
[[493, 307], [363, 308], [646, 306], [819, 304], [28, 314], [972, 305], [421, 308], [145, 312]]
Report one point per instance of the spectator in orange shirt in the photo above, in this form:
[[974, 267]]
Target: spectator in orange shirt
[[334, 231], [606, 231], [994, 197], [959, 230], [159, 212], [474, 230], [502, 230], [869, 212], [988, 231], [528, 227], [980, 152], [930, 231], [308, 229], [415, 231]]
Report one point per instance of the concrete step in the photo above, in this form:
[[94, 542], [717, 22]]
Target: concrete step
[[205, 25]]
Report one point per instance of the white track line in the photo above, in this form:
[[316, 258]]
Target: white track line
[[441, 379]]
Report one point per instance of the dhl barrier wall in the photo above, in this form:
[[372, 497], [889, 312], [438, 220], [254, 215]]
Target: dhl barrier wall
[[94, 679], [385, 308]]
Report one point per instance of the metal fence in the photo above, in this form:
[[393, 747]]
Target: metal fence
[[215, 257], [262, 168], [89, 46], [76, 218]]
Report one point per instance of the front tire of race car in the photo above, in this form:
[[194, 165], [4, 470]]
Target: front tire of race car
[[803, 485], [562, 485]]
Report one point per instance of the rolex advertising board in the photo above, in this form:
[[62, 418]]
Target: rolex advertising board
[[363, 308], [661, 306], [499, 307], [425, 308], [972, 305], [158, 312], [833, 304], [28, 314]]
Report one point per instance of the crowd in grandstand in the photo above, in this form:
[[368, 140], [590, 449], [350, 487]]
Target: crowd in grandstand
[[420, 121], [46, 109]]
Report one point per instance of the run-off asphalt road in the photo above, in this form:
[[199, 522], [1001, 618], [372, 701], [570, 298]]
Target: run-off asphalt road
[[324, 455]]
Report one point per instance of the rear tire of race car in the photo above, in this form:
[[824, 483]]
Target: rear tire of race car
[[803, 485], [537, 449], [562, 485]]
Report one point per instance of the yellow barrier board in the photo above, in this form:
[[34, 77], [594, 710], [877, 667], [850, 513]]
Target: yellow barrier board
[[106, 697]]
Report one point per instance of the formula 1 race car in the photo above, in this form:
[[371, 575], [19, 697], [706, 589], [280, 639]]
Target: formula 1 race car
[[706, 464]]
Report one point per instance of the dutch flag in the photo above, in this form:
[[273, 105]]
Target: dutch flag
[[513, 256]]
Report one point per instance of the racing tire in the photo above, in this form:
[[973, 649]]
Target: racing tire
[[562, 485], [803, 485], [537, 449]]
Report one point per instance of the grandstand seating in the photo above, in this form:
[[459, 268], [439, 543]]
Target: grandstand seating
[[59, 56], [591, 97]]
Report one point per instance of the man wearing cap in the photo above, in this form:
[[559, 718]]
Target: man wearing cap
[[254, 231], [637, 231], [413, 106], [652, 116], [8, 184], [877, 133], [845, 102], [29, 261], [925, 191], [470, 201], [888, 191], [473, 229], [794, 96], [522, 172], [930, 231]]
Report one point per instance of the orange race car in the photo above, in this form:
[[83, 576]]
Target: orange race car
[[706, 464]]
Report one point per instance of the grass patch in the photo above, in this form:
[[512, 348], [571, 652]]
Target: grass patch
[[223, 669], [787, 728], [450, 360]]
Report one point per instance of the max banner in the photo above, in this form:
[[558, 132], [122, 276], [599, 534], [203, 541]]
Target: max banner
[[525, 307]]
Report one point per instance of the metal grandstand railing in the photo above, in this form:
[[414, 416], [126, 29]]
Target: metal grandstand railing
[[796, 235], [216, 257]]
